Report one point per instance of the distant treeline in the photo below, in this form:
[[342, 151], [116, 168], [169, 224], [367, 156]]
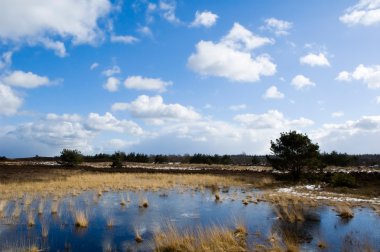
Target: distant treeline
[[334, 158]]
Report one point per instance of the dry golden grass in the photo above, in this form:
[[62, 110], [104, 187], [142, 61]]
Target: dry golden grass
[[138, 237], [44, 229], [344, 210], [30, 219], [16, 211], [74, 182], [41, 205], [210, 240], [80, 219], [54, 207], [143, 203]]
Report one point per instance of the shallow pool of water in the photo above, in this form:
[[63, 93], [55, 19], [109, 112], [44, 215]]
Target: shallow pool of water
[[187, 209]]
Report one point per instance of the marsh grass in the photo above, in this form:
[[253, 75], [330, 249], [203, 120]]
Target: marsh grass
[[44, 229], [16, 211], [54, 207], [143, 202], [122, 201], [30, 219], [80, 219], [344, 210], [210, 239], [3, 205], [138, 237], [63, 182], [41, 205]]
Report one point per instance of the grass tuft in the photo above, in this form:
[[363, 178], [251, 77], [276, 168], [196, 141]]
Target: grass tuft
[[81, 219]]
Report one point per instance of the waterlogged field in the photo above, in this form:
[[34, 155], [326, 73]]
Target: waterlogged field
[[180, 218]]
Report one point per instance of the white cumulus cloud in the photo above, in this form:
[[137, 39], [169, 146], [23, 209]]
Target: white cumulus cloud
[[143, 83], [301, 82], [370, 75], [273, 93], [25, 79], [315, 60], [9, 101], [205, 18], [365, 12], [37, 22], [112, 84], [279, 27], [108, 122], [273, 119], [154, 108], [231, 57]]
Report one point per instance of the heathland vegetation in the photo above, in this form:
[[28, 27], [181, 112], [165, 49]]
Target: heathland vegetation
[[293, 184]]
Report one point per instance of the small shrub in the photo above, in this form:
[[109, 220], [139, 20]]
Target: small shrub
[[342, 179], [71, 157], [117, 159]]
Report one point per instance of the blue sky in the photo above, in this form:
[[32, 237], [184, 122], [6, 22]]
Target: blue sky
[[187, 76]]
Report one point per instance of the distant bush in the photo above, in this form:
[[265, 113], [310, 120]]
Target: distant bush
[[137, 158], [71, 157], [209, 159], [117, 159], [337, 159], [3, 158], [161, 159], [343, 179]]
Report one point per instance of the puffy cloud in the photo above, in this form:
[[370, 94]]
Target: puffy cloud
[[369, 75], [51, 134], [143, 83], [240, 38], [231, 58], [212, 136], [111, 71], [315, 60], [273, 93], [37, 21], [273, 119], [56, 131], [25, 80], [238, 107], [168, 11], [353, 136], [9, 101], [301, 82], [205, 18], [365, 12], [110, 123], [112, 84], [154, 108], [279, 27], [57, 46], [126, 39]]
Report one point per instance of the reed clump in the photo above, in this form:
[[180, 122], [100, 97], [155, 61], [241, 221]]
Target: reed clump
[[80, 219], [210, 239], [344, 211]]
